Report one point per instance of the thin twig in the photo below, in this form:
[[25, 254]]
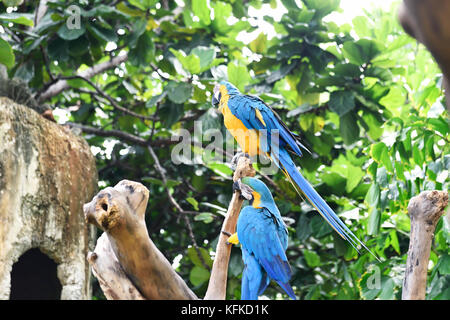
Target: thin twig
[[123, 136], [162, 173], [109, 98]]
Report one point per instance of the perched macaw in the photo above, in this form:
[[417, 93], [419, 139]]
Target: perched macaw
[[264, 238], [252, 122]]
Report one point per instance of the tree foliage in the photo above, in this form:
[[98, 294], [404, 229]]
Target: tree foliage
[[365, 98]]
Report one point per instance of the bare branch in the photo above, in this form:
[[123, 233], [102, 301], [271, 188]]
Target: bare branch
[[62, 84], [424, 211], [120, 212], [121, 135], [172, 200], [217, 286]]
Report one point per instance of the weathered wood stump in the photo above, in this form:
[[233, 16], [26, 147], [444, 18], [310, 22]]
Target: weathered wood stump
[[126, 261], [424, 211]]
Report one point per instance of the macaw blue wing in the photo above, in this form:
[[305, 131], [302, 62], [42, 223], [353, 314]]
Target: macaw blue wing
[[248, 108], [259, 233], [254, 278]]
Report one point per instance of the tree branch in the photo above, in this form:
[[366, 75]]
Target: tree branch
[[121, 135], [120, 212], [424, 211], [217, 286], [172, 200], [62, 84]]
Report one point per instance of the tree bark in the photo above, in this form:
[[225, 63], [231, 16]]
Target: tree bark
[[217, 286], [127, 263], [424, 211], [112, 278], [62, 85], [120, 211]]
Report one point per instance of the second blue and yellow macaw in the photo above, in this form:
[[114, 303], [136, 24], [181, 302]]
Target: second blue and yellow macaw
[[264, 238], [252, 123]]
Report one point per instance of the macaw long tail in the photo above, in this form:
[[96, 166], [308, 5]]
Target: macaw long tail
[[316, 200], [287, 287]]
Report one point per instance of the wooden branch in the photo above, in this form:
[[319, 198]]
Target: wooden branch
[[62, 84], [122, 135], [424, 211], [217, 285], [120, 211], [112, 278]]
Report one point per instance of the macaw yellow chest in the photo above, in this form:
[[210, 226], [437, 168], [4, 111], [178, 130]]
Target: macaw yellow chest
[[248, 139]]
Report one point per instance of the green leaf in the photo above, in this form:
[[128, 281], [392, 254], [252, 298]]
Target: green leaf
[[179, 92], [312, 258], [170, 183], [144, 51], [320, 228], [143, 4], [375, 127], [12, 3], [373, 195], [444, 264], [370, 284], [354, 176], [25, 19], [170, 113], [399, 170], [303, 228], [71, 34], [387, 289], [206, 217], [194, 257], [349, 128], [206, 56], [341, 102], [6, 54], [439, 125], [259, 45], [193, 202], [190, 63], [362, 27], [201, 10], [374, 222], [417, 155], [220, 168], [108, 35], [380, 154], [361, 51], [238, 75], [394, 241], [198, 276]]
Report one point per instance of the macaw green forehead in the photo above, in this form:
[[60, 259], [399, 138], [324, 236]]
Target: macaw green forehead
[[231, 89], [257, 185]]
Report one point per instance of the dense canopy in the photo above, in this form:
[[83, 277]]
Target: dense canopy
[[136, 76]]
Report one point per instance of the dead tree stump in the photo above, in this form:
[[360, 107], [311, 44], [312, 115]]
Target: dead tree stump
[[127, 263], [424, 211]]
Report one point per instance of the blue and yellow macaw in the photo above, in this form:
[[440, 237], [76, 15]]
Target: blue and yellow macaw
[[252, 123], [264, 239]]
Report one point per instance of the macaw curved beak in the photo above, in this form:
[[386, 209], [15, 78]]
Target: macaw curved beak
[[216, 96], [245, 189]]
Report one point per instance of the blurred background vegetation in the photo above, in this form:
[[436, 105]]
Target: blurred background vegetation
[[365, 98]]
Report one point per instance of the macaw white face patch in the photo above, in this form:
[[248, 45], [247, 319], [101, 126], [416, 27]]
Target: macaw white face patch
[[216, 92]]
